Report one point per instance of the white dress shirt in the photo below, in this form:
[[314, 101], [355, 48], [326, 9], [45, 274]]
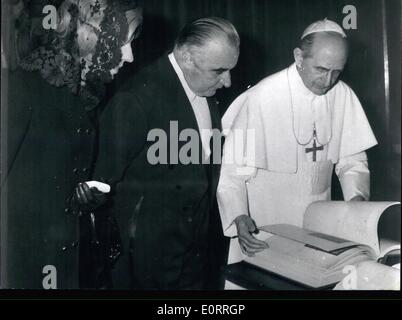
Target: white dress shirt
[[200, 108]]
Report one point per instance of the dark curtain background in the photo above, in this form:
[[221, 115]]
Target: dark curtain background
[[269, 31]]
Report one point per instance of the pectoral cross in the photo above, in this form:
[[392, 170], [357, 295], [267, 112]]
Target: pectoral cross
[[314, 149]]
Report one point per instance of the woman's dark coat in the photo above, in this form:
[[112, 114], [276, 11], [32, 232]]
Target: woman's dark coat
[[48, 145]]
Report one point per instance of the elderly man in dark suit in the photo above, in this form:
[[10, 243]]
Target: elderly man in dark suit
[[162, 202]]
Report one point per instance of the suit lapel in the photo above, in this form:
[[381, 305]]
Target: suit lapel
[[184, 113], [215, 115], [181, 105], [214, 168]]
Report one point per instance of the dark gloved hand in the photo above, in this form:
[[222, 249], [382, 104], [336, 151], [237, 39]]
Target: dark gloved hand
[[88, 199]]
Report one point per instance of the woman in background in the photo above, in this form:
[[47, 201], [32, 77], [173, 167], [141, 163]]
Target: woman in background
[[49, 143]]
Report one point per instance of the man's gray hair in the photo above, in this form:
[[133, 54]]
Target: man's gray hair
[[199, 32]]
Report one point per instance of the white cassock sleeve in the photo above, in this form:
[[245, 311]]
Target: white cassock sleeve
[[232, 195], [354, 176], [232, 189]]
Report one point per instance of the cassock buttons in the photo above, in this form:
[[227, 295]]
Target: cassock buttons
[[75, 170], [88, 131], [85, 170], [74, 244], [79, 130], [64, 248]]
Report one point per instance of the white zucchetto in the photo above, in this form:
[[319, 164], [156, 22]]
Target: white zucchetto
[[323, 26]]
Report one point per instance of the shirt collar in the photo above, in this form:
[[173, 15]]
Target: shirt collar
[[190, 94]]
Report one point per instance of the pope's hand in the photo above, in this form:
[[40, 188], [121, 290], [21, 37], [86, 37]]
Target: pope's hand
[[248, 243]]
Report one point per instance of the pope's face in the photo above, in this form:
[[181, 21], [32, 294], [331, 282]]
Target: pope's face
[[209, 68], [320, 69]]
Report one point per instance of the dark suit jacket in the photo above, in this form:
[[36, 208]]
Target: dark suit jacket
[[162, 210], [47, 148]]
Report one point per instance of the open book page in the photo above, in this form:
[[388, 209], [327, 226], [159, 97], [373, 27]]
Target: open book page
[[311, 238], [294, 260], [356, 221]]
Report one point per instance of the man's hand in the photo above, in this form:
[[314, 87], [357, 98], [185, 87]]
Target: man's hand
[[89, 199], [248, 244]]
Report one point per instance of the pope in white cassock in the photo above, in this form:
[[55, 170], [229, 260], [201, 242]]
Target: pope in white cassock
[[284, 137]]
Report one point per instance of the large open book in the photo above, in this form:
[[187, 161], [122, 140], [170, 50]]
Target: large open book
[[335, 235]]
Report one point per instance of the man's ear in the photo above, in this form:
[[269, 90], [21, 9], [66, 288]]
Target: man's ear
[[298, 55], [187, 58]]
